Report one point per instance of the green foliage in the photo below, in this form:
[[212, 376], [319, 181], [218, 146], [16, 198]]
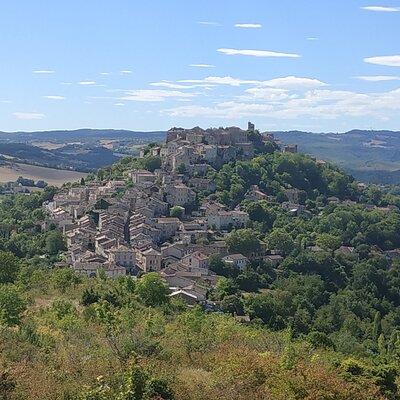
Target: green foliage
[[12, 305], [243, 241], [151, 163], [279, 239], [152, 290], [181, 169], [64, 278], [276, 171], [55, 243], [177, 211], [10, 266]]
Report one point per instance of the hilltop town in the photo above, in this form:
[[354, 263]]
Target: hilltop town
[[156, 223], [155, 220]]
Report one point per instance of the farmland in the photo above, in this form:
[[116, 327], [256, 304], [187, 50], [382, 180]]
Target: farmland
[[52, 176]]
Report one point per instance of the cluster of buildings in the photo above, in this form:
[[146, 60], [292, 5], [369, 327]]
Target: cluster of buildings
[[154, 221], [126, 229], [194, 150]]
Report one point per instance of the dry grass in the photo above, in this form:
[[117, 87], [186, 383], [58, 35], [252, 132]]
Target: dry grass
[[55, 177]]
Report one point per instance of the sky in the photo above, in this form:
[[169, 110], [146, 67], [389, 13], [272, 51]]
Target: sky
[[314, 65]]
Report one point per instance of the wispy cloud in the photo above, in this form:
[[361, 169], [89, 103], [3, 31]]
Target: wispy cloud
[[104, 73], [256, 53], [220, 80], [54, 97], [381, 9], [390, 61], [209, 23], [28, 115], [321, 104], [202, 65], [172, 85], [294, 82], [125, 72], [43, 71], [379, 78], [283, 82], [119, 104], [312, 38], [248, 26], [154, 95], [87, 83]]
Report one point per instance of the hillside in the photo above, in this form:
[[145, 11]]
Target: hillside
[[80, 135], [371, 156]]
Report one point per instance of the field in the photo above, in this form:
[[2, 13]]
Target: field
[[55, 177]]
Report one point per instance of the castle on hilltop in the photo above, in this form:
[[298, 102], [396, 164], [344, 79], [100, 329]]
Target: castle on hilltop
[[192, 150]]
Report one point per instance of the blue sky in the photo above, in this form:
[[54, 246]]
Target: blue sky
[[314, 65]]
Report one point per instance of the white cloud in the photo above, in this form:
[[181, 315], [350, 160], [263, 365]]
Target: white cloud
[[312, 38], [256, 53], [28, 115], [379, 78], [171, 85], [54, 97], [87, 83], [150, 95], [104, 73], [119, 104], [294, 82], [209, 23], [125, 72], [202, 65], [220, 80], [248, 26], [318, 103], [390, 61], [381, 9], [283, 82], [43, 71]]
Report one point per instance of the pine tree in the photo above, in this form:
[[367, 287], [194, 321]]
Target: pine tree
[[377, 326]]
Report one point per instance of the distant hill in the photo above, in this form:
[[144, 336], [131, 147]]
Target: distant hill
[[81, 135], [371, 156], [80, 150], [79, 158]]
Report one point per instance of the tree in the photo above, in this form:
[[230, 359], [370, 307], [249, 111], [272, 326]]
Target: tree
[[377, 326], [177, 212], [152, 290], [243, 241], [54, 242], [279, 239], [225, 287], [181, 169], [328, 241], [9, 267], [12, 305], [151, 163], [64, 278], [260, 212]]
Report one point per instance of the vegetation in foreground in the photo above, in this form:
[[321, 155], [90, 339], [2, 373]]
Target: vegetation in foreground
[[65, 337]]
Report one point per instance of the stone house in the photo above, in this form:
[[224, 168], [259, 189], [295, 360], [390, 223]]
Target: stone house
[[149, 260], [236, 260]]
